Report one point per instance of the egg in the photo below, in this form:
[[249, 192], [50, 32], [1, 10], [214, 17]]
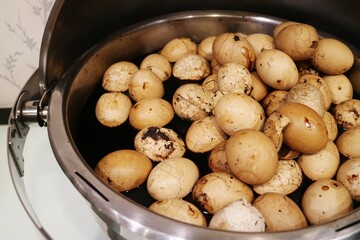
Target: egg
[[332, 56], [273, 128], [281, 26], [193, 102], [151, 112], [349, 141], [307, 132], [210, 83], [159, 143], [260, 41], [172, 178], [177, 48], [191, 67], [354, 74], [117, 77], [331, 125], [218, 189], [287, 179], [260, 89], [322, 164], [236, 111], [308, 95], [113, 109], [203, 135], [238, 216], [325, 200], [280, 212], [215, 65], [180, 210], [123, 170], [297, 41], [285, 153], [145, 84], [217, 159], [277, 69], [158, 64], [347, 113], [251, 156], [319, 83], [233, 47], [340, 88], [205, 48], [274, 100], [349, 175], [234, 78]]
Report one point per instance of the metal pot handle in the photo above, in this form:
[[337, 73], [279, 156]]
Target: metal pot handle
[[27, 110]]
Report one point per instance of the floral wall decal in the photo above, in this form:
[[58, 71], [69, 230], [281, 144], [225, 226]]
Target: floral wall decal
[[22, 24]]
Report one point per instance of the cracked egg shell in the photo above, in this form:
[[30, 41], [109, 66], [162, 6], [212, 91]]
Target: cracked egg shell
[[318, 82], [307, 132], [239, 216], [158, 64], [349, 175], [177, 48], [281, 26], [234, 78], [210, 83], [347, 114], [273, 101], [123, 170], [203, 135], [191, 67], [326, 200], [159, 143], [309, 95], [287, 179], [233, 47], [117, 77], [251, 156], [151, 112], [297, 41], [193, 102], [280, 212], [218, 189], [180, 210], [274, 125], [172, 178]]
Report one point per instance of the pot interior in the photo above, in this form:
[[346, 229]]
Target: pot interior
[[133, 46], [83, 84]]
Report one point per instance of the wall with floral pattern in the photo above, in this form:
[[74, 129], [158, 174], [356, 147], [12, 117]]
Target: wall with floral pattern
[[22, 24]]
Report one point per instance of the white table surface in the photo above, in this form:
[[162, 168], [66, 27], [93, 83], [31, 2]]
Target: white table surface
[[63, 212]]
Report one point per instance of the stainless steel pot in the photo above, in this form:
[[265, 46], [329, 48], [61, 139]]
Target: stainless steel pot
[[75, 53]]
